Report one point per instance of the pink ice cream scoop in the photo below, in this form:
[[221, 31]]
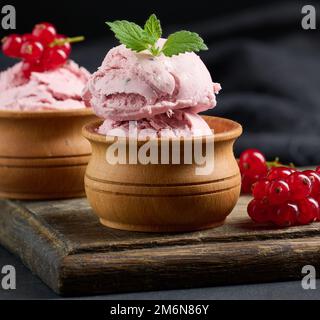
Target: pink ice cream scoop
[[133, 86], [146, 96], [59, 89], [179, 124]]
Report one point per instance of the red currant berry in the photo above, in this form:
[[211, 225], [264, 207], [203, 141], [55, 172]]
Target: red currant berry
[[318, 169], [252, 162], [260, 189], [278, 192], [258, 211], [279, 173], [66, 46], [315, 181], [285, 215], [28, 37], [28, 68], [246, 184], [31, 51], [45, 32], [248, 181], [317, 198], [11, 45], [308, 210], [300, 186], [53, 58]]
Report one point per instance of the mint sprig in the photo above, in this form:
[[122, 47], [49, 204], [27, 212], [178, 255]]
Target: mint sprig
[[138, 39], [153, 28], [183, 41], [130, 34]]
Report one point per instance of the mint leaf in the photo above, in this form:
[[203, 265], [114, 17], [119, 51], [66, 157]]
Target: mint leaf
[[181, 42], [138, 39], [153, 28], [130, 34]]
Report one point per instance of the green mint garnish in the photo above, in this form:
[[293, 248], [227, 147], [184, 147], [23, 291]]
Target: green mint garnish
[[183, 41], [138, 39], [130, 34], [153, 28]]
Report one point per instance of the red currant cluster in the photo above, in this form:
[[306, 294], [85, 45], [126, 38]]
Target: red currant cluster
[[253, 166], [42, 50], [282, 195]]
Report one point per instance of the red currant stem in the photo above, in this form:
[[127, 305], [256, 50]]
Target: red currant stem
[[60, 42], [276, 163]]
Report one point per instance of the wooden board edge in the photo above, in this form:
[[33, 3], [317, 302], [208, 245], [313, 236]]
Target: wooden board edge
[[193, 266]]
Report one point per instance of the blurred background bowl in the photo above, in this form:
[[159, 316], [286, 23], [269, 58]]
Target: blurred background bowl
[[43, 155]]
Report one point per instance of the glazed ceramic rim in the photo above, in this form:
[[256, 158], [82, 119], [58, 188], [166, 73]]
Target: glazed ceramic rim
[[234, 132], [46, 113]]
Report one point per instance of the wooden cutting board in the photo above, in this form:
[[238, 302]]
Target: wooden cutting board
[[63, 243]]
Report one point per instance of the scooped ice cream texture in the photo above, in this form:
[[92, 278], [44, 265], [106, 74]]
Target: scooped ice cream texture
[[180, 124], [53, 90], [161, 93]]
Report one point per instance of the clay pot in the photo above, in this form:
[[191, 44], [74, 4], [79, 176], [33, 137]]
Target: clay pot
[[43, 155], [164, 197]]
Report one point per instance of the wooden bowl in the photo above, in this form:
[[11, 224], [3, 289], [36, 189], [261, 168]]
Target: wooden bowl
[[43, 155], [164, 197]]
